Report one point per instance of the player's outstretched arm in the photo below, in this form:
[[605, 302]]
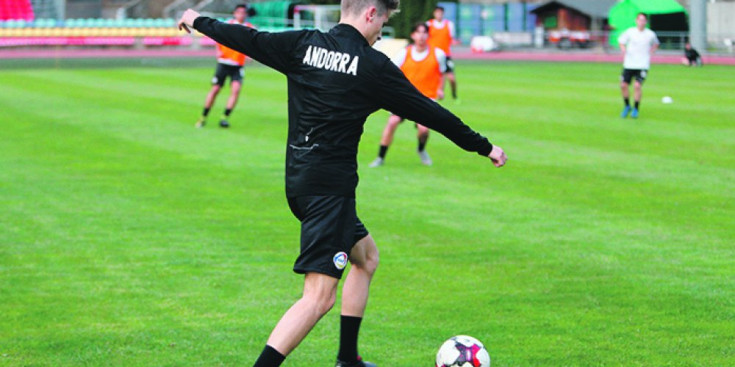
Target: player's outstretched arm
[[186, 23], [272, 49], [497, 155], [397, 95]]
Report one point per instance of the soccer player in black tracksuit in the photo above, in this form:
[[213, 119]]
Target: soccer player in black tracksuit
[[691, 56], [335, 81]]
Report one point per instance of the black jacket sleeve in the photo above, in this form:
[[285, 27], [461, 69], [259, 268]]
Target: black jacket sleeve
[[397, 95], [272, 49]]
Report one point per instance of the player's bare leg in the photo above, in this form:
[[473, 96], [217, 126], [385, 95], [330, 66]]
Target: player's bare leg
[[637, 94], [625, 91], [231, 102], [211, 96], [387, 139], [208, 102], [452, 84], [235, 88], [423, 137], [320, 292], [364, 258], [390, 130]]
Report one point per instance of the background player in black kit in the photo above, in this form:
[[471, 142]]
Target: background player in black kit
[[691, 56], [335, 81]]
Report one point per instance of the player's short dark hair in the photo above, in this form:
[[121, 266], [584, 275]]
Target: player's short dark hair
[[354, 6], [439, 7], [643, 14], [238, 6], [419, 25]]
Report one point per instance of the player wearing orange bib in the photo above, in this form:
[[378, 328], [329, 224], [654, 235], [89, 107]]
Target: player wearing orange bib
[[230, 64], [423, 66], [442, 35]]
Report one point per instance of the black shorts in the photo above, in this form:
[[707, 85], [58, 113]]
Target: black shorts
[[694, 61], [329, 229], [450, 65], [628, 74], [235, 73]]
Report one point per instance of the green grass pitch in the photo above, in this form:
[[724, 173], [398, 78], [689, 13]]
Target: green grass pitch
[[130, 238]]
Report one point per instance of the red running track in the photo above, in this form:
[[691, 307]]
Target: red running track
[[461, 55]]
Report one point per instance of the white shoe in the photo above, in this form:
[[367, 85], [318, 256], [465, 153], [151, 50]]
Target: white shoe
[[425, 159], [377, 162]]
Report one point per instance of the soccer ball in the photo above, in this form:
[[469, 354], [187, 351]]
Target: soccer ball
[[462, 351]]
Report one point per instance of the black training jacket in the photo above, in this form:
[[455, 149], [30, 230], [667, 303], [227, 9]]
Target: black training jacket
[[335, 81]]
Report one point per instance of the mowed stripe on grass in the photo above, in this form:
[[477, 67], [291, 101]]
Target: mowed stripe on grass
[[131, 238]]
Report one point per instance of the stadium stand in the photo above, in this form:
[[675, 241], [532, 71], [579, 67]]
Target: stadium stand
[[89, 27], [20, 28], [18, 10], [91, 32]]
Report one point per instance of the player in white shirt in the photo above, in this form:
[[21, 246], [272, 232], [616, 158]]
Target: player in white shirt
[[637, 43]]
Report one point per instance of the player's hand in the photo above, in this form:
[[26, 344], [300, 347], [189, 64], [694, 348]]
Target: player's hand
[[440, 94], [186, 23], [497, 155]]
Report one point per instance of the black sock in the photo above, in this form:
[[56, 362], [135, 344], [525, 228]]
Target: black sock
[[228, 111], [349, 328], [205, 112], [383, 151], [627, 102], [422, 145], [637, 103], [454, 91], [269, 357]]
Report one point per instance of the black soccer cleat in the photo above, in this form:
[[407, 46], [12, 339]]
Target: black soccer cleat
[[359, 363], [224, 124]]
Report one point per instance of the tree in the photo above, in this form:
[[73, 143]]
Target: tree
[[412, 12]]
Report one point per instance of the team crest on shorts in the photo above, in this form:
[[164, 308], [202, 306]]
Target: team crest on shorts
[[340, 260]]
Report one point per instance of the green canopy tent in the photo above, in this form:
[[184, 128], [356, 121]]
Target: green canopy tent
[[664, 15]]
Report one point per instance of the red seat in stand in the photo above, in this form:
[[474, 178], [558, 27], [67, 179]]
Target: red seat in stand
[[16, 10]]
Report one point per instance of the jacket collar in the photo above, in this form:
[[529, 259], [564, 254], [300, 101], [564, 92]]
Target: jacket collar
[[346, 30]]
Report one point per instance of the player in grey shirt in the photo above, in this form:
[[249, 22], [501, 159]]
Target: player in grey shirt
[[637, 43]]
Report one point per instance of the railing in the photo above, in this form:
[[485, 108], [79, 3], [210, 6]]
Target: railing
[[219, 6], [271, 23], [321, 17], [566, 40], [50, 9], [165, 27], [132, 9], [176, 8]]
